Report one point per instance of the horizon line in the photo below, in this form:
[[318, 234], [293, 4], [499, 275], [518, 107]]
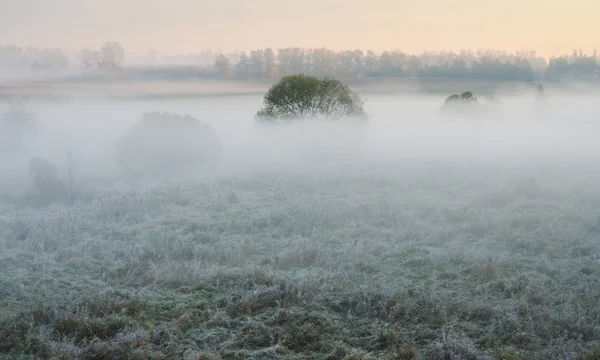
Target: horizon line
[[218, 51]]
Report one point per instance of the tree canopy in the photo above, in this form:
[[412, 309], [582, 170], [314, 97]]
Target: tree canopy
[[301, 96]]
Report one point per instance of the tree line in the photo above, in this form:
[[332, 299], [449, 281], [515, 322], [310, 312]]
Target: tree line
[[492, 65], [15, 57], [322, 62], [110, 56]]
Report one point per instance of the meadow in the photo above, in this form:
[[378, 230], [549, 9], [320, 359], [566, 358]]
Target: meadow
[[414, 236]]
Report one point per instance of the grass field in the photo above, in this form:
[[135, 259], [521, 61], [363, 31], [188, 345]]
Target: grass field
[[431, 261], [429, 242]]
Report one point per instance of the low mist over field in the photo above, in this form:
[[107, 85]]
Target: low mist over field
[[400, 126], [416, 234]]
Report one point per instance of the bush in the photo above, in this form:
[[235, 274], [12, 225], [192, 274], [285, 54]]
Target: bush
[[464, 101], [167, 142], [301, 96], [41, 172], [492, 98], [540, 94], [466, 97], [16, 126], [45, 180]]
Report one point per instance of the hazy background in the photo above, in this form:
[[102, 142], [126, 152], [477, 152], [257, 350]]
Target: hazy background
[[549, 26]]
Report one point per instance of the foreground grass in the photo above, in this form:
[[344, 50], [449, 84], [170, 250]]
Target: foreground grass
[[439, 262]]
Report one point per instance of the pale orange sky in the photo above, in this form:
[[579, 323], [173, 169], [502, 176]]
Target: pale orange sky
[[187, 26]]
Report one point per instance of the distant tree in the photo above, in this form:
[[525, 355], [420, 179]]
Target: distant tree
[[291, 61], [112, 55], [153, 56], [352, 63], [270, 63], [413, 65], [492, 98], [349, 63], [558, 69], [391, 64], [301, 96], [584, 68], [460, 102], [468, 97], [18, 115], [257, 64], [454, 98], [323, 62], [371, 64], [47, 59], [522, 69], [224, 67], [243, 68], [11, 56], [89, 59]]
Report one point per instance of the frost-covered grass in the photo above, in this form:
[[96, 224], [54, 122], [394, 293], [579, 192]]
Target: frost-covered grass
[[408, 260]]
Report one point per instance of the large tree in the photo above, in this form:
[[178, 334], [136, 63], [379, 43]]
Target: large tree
[[301, 96]]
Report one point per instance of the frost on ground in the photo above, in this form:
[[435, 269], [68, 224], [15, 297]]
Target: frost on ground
[[441, 260]]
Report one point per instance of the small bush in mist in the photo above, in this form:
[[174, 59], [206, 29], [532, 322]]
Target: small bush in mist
[[492, 98], [44, 177], [540, 93], [301, 96], [464, 101], [466, 97], [17, 125], [166, 141]]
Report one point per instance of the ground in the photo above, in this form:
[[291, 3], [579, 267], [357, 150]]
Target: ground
[[403, 260]]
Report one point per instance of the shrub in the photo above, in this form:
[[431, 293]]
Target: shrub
[[167, 141], [464, 101], [492, 98], [301, 96], [44, 177], [19, 118], [41, 172], [466, 97], [16, 126], [540, 94]]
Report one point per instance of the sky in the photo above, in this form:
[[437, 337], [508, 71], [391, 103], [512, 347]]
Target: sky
[[552, 27]]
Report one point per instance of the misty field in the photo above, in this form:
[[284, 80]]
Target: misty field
[[414, 236]]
